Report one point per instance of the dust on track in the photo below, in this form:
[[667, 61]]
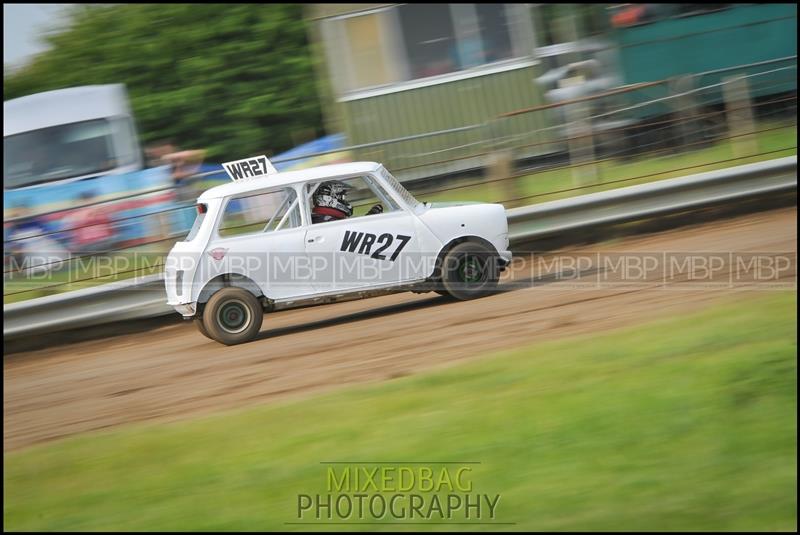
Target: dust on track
[[173, 372]]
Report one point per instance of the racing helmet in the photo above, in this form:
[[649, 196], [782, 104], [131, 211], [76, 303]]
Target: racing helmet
[[333, 194]]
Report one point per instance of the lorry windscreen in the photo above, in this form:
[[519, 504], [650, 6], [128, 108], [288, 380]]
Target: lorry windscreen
[[57, 153]]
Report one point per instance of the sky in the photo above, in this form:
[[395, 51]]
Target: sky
[[23, 24]]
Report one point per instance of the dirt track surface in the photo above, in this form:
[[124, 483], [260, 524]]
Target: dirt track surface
[[174, 372]]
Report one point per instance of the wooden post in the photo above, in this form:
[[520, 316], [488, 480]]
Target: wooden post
[[580, 138], [685, 109], [739, 113], [499, 167]]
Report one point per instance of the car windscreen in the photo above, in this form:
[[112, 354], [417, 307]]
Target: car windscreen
[[57, 153], [393, 183]]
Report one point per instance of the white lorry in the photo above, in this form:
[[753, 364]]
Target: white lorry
[[264, 242], [68, 135]]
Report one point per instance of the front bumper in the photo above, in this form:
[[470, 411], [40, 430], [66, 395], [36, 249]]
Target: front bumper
[[505, 259]]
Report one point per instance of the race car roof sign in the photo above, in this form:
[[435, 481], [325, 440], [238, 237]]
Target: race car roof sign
[[254, 167]]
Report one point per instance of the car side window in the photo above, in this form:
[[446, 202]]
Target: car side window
[[331, 200], [267, 211]]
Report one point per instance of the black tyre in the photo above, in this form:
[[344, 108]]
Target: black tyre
[[232, 316], [198, 322], [470, 270]]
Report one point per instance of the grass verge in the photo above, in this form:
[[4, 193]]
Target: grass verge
[[561, 183], [683, 424]]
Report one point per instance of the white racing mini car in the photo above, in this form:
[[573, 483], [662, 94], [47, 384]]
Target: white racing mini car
[[269, 241]]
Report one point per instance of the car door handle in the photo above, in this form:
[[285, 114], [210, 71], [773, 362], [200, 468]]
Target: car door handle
[[317, 239]]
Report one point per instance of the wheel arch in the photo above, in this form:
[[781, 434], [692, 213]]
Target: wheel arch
[[226, 280], [452, 243]]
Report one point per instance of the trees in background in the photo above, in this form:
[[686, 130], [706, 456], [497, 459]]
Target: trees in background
[[232, 79]]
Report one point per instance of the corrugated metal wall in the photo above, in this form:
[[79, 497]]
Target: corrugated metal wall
[[430, 107], [445, 106]]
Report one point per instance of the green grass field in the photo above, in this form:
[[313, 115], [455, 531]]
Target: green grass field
[[775, 141], [683, 424]]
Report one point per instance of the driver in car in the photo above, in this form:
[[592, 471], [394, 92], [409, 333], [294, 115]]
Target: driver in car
[[331, 204]]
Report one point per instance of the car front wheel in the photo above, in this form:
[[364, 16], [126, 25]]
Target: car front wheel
[[233, 316], [470, 271]]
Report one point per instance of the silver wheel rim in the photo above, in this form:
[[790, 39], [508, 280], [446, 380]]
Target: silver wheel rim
[[233, 316]]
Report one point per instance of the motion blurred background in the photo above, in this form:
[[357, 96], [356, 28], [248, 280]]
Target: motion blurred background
[[513, 103]]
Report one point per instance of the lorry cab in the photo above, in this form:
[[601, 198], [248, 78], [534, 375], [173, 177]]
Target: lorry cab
[[67, 135]]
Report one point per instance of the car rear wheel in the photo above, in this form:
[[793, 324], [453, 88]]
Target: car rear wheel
[[470, 271], [232, 316]]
